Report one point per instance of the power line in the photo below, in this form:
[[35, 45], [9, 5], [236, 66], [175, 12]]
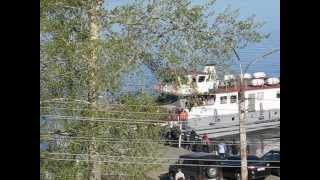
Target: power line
[[159, 158], [61, 100], [141, 112], [101, 110], [128, 139], [143, 121], [83, 101], [107, 111], [146, 142], [145, 163], [154, 123], [98, 119]]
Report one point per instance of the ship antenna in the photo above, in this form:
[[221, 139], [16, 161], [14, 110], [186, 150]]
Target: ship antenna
[[253, 61]]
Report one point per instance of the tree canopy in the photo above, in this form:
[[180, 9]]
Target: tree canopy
[[160, 34]]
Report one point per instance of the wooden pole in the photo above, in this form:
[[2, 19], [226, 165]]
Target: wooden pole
[[242, 111], [180, 128], [262, 145]]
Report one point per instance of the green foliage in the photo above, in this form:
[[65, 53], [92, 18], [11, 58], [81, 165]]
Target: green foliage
[[176, 34], [135, 107], [164, 35]]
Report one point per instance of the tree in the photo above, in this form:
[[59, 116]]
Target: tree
[[85, 50], [175, 34]]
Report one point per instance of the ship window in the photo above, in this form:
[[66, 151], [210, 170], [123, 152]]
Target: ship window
[[201, 78], [278, 94], [232, 118], [223, 100], [233, 99], [260, 95]]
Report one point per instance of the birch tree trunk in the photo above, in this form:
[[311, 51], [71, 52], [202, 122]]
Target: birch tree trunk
[[94, 165], [243, 137]]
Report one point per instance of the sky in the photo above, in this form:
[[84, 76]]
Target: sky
[[267, 11]]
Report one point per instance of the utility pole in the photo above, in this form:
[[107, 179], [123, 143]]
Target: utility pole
[[242, 123], [180, 128], [242, 115], [180, 133]]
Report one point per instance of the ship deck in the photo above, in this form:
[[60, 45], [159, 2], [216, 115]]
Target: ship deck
[[247, 88]]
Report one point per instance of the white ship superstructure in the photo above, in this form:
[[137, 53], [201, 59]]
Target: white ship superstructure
[[212, 104]]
